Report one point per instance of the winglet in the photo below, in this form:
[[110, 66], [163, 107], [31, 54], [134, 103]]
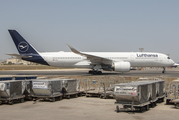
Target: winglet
[[73, 49]]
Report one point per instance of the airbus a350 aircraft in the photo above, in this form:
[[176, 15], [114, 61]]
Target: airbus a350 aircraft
[[97, 61]]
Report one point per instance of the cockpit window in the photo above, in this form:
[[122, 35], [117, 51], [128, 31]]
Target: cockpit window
[[168, 57]]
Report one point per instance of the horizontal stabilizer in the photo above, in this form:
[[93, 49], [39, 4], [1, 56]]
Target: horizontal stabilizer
[[18, 56]]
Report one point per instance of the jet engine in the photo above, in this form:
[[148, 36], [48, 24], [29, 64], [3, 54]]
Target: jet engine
[[121, 66]]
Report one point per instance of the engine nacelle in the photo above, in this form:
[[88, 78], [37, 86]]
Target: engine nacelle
[[121, 66]]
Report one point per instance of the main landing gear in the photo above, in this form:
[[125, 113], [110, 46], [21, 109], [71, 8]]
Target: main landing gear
[[94, 72], [163, 70]]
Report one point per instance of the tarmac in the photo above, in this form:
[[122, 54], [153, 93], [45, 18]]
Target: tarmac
[[82, 108], [149, 72]]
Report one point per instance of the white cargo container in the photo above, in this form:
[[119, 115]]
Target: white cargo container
[[139, 95], [47, 86], [134, 91], [47, 89]]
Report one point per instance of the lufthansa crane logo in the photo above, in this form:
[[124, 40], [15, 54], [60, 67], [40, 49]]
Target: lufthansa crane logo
[[23, 46]]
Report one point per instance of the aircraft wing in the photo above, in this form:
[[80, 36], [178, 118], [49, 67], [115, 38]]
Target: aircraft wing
[[94, 59], [18, 56]]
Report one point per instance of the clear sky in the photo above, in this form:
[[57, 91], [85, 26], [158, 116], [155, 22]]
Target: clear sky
[[92, 25]]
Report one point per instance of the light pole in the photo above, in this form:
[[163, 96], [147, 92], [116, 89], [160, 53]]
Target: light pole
[[141, 49]]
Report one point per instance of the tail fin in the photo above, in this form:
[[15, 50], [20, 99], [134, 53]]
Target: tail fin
[[22, 45]]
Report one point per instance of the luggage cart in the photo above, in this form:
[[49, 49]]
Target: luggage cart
[[131, 107], [51, 98], [11, 101], [73, 94], [173, 93]]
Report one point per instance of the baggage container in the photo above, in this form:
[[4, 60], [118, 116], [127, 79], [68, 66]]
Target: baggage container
[[71, 88], [173, 92], [11, 90], [138, 92], [28, 92], [70, 85], [153, 91], [160, 88], [140, 95], [47, 87], [152, 88]]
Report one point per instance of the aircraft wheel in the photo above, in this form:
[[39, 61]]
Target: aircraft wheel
[[99, 72], [90, 72], [11, 102], [76, 95], [52, 100], [117, 108], [94, 72], [60, 98], [22, 100]]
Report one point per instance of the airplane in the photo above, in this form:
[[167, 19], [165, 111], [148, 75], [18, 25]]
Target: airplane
[[96, 61]]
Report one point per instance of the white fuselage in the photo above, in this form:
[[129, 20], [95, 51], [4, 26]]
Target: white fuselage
[[136, 59], [109, 61]]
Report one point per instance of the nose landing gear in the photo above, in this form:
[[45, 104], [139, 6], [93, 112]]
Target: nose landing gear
[[163, 70]]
